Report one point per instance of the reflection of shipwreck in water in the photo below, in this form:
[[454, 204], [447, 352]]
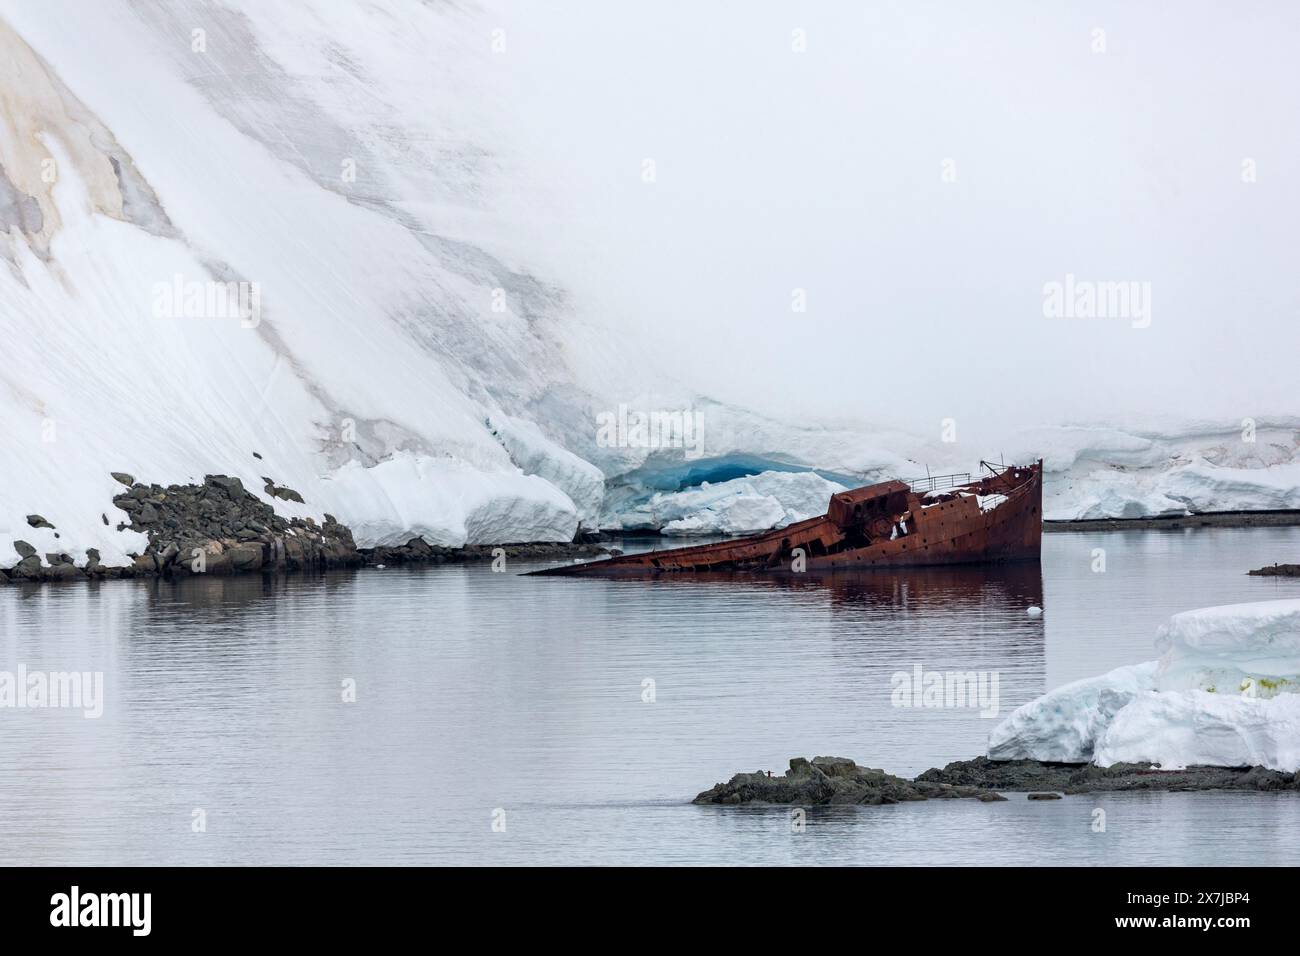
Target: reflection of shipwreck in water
[[945, 520]]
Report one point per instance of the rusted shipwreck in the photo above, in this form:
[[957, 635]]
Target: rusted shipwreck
[[948, 519]]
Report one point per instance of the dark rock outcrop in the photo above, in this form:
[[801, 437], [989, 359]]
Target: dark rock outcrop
[[829, 781], [833, 781], [1278, 570], [218, 527], [281, 492]]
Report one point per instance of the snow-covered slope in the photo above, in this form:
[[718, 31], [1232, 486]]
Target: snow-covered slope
[[1223, 693], [152, 145]]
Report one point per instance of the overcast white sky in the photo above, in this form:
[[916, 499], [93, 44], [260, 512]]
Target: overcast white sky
[[822, 170]]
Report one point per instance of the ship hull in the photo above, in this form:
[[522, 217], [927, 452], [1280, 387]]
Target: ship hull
[[880, 526]]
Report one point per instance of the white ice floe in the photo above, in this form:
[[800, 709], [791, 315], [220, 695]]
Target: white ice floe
[[1223, 693]]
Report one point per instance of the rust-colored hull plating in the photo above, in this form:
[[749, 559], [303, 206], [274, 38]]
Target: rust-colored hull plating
[[880, 526]]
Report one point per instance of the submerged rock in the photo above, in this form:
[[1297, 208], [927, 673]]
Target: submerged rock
[[833, 781]]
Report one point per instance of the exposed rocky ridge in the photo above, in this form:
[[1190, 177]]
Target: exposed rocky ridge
[[219, 527], [828, 781], [1277, 570]]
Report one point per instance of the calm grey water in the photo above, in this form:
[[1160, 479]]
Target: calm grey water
[[482, 694]]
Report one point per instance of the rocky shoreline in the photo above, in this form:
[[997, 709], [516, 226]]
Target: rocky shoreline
[[838, 781], [219, 527], [1205, 519]]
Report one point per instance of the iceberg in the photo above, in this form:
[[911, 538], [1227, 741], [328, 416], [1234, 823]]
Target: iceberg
[[1222, 693]]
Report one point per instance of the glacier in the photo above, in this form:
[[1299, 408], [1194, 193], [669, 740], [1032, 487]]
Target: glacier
[[1222, 693], [415, 368]]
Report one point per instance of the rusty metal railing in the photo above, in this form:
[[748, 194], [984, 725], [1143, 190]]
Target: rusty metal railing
[[938, 482]]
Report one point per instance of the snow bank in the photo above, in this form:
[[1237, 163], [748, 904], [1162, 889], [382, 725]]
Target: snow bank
[[1233, 649], [1222, 693], [450, 504], [1189, 728], [1065, 724], [536, 454], [1107, 472]]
